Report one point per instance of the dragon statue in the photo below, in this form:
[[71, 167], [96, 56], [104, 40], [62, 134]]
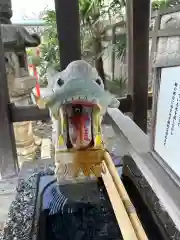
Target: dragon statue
[[77, 102], [43, 209]]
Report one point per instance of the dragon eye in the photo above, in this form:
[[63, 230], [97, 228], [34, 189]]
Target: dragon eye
[[60, 82], [98, 81]]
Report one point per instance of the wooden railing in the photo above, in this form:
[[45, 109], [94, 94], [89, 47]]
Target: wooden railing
[[33, 113]]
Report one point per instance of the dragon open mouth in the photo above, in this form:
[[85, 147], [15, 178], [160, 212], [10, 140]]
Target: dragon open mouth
[[77, 102], [80, 121]]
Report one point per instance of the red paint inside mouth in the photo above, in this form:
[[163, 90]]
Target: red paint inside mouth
[[80, 117], [80, 124]]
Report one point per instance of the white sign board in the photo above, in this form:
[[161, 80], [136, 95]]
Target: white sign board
[[167, 130]]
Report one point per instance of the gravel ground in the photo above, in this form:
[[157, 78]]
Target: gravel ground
[[7, 188], [43, 129]]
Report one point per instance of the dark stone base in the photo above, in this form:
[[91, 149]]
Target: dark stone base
[[139, 185], [91, 216]]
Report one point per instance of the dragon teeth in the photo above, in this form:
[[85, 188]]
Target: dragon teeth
[[67, 100], [75, 98]]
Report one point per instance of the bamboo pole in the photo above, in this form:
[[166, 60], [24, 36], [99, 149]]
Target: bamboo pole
[[122, 217], [141, 235]]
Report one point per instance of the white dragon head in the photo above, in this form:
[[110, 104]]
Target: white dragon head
[[77, 91]]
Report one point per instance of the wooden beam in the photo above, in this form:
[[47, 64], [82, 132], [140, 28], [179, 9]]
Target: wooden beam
[[33, 113], [8, 156], [129, 32], [27, 113], [113, 54], [169, 32], [126, 103], [138, 35], [154, 75], [68, 27]]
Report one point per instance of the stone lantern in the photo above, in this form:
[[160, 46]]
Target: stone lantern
[[5, 11], [20, 83]]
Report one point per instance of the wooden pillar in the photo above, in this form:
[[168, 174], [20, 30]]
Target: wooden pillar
[[129, 12], [8, 156], [113, 56], [68, 27], [138, 13]]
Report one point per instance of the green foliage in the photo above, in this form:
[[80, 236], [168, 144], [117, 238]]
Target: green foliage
[[118, 86], [163, 4], [120, 47], [50, 46], [160, 4], [92, 12], [32, 57]]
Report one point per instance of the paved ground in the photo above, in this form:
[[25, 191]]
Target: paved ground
[[43, 130], [8, 187], [7, 191]]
